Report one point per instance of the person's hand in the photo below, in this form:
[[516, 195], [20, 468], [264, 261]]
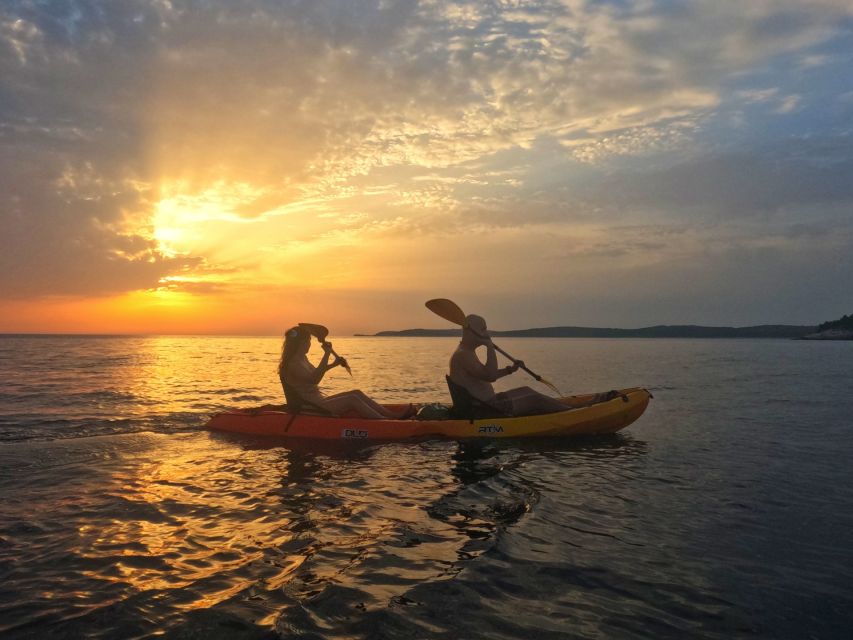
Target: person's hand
[[516, 365], [327, 347], [340, 362]]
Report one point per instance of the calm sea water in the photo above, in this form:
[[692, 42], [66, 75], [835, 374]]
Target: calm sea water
[[725, 511]]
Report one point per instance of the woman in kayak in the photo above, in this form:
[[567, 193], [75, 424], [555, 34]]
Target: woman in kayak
[[468, 372], [300, 380]]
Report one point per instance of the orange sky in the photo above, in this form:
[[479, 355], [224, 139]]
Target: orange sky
[[237, 170]]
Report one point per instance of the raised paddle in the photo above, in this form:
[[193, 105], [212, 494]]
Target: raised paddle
[[320, 332], [450, 311]]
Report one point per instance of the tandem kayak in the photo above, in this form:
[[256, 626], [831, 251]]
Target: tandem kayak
[[579, 418]]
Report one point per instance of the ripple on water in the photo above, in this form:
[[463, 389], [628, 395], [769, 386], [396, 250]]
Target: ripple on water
[[725, 512]]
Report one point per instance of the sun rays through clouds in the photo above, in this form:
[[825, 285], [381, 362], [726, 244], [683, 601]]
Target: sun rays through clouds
[[229, 167]]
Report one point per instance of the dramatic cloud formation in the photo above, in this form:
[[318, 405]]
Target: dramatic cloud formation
[[220, 166]]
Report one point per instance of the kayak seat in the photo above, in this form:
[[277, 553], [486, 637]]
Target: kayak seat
[[297, 405], [467, 407]]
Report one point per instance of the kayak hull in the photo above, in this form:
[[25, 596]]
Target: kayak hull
[[579, 418]]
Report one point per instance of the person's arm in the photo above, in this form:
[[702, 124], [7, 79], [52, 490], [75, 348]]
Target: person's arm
[[489, 371], [304, 373], [510, 369], [321, 369], [471, 365], [492, 364]]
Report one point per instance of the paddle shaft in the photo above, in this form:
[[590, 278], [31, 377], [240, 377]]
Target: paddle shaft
[[536, 376], [320, 332], [452, 312], [345, 363]]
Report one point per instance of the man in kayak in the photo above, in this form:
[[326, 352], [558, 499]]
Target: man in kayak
[[467, 371]]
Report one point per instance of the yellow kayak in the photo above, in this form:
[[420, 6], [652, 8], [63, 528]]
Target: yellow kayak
[[584, 415]]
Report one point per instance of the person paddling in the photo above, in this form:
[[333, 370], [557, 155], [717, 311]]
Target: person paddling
[[468, 372], [300, 381]]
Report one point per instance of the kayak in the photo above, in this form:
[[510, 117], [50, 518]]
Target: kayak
[[583, 416]]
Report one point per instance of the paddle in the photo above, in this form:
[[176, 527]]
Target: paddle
[[320, 332], [450, 311]]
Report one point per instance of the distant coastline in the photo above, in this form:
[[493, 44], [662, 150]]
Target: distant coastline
[[658, 331], [841, 329]]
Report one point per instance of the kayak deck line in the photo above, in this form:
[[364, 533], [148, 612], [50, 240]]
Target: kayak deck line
[[579, 418]]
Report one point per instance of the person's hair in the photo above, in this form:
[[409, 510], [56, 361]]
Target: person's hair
[[293, 339]]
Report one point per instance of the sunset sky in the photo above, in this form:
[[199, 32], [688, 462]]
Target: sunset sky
[[236, 167]]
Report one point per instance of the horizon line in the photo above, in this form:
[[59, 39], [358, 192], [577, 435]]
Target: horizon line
[[376, 333]]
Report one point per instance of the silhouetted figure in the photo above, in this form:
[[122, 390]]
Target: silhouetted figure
[[300, 381], [476, 378]]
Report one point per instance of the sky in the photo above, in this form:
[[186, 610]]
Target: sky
[[237, 167]]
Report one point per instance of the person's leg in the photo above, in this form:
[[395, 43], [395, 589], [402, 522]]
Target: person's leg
[[347, 402], [370, 402], [375, 406], [526, 401]]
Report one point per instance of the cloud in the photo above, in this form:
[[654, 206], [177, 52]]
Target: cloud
[[789, 104], [129, 130], [74, 230], [794, 173], [753, 96]]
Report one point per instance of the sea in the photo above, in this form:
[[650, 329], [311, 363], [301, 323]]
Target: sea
[[725, 511]]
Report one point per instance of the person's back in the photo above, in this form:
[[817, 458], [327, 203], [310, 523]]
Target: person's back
[[464, 367], [476, 378]]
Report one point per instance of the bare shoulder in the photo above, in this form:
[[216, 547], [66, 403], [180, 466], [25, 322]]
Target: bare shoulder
[[463, 359]]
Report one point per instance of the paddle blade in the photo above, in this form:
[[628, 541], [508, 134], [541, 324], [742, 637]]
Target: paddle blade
[[551, 386], [448, 310], [317, 330], [344, 364]]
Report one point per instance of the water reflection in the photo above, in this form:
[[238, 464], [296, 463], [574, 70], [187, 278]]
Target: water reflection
[[493, 493], [176, 533], [478, 491], [690, 523]]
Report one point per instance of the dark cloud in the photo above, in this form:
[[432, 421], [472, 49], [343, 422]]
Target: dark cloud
[[798, 173], [69, 151]]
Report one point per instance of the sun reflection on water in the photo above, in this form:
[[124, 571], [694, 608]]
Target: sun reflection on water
[[166, 526], [192, 523], [199, 523]]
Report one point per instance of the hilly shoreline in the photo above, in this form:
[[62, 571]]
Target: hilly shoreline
[[658, 331]]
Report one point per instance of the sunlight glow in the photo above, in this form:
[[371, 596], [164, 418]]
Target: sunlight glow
[[292, 158], [181, 210]]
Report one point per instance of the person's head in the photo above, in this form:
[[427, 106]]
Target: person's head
[[297, 341], [475, 331]]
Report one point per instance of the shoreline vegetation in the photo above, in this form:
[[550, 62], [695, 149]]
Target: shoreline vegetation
[[841, 329]]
